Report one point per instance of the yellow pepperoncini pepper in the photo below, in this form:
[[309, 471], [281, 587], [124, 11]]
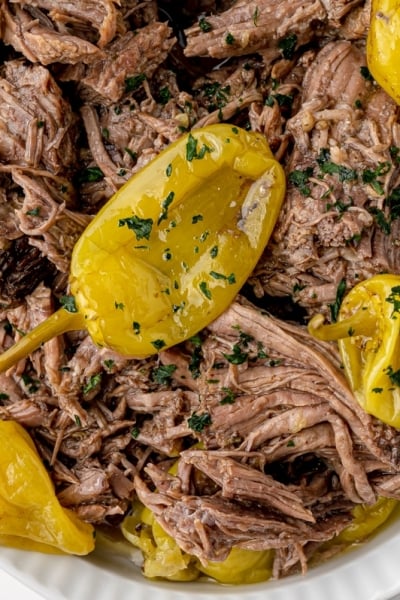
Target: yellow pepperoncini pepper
[[367, 331], [163, 558], [383, 45], [31, 517], [366, 520], [170, 250]]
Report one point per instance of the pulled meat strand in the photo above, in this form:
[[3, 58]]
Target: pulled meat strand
[[273, 450]]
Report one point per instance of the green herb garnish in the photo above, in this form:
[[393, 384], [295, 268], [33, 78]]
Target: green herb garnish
[[335, 307], [68, 303], [163, 374], [300, 179], [134, 82], [92, 383], [287, 46], [158, 344], [197, 422], [141, 227]]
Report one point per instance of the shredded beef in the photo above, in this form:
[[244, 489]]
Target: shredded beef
[[273, 450]]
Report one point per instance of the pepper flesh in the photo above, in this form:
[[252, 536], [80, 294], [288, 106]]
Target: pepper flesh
[[383, 45], [162, 557], [171, 249], [368, 331], [31, 517]]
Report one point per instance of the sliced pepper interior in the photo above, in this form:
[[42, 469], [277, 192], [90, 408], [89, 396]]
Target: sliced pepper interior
[[367, 332]]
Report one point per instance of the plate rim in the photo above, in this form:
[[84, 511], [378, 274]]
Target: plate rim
[[368, 572]]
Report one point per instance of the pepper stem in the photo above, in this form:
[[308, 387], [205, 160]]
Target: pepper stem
[[58, 323], [360, 323]]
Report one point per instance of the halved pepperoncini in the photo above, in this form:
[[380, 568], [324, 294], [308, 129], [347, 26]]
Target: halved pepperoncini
[[383, 45], [368, 334], [170, 250]]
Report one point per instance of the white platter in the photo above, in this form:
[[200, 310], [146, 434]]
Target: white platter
[[370, 572]]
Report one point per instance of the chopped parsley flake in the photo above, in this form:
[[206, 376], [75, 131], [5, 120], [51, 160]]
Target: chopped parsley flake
[[119, 305], [131, 153], [395, 153], [92, 383], [229, 397], [327, 166], [217, 96], [365, 72], [370, 176], [191, 149], [339, 205], [300, 178], [231, 279], [165, 205], [229, 39], [197, 355], [204, 25], [335, 307], [158, 344], [135, 432], [394, 376], [214, 252], [283, 100], [33, 212], [31, 384], [394, 298], [205, 289], [134, 82], [168, 170], [238, 357], [197, 422], [68, 303], [163, 373], [141, 227], [380, 219], [164, 95], [136, 327], [244, 338], [90, 175], [393, 203], [287, 46], [261, 353]]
